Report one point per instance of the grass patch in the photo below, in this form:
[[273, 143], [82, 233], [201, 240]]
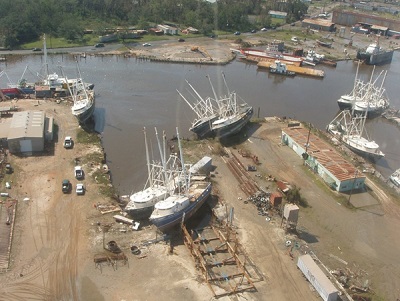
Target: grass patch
[[88, 137]]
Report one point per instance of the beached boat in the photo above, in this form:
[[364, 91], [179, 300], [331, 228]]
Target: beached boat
[[375, 55], [184, 203], [157, 187], [205, 111], [324, 43], [234, 114], [351, 131], [395, 178]]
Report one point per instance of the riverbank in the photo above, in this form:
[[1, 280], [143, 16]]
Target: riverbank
[[66, 234]]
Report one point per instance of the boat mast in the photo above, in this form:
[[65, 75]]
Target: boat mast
[[147, 158], [182, 162], [355, 82], [46, 65], [190, 105], [367, 95]]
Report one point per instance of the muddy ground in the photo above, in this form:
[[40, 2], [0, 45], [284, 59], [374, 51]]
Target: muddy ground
[[57, 236]]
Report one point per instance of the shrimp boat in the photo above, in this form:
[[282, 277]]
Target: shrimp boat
[[84, 99], [184, 203], [157, 188], [205, 111], [233, 116], [347, 101]]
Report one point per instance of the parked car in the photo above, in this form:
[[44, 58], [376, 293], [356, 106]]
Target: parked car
[[9, 169], [253, 31], [79, 172], [146, 44], [295, 39], [237, 33], [36, 49], [80, 189], [181, 40], [264, 29], [68, 142], [66, 186], [99, 45]]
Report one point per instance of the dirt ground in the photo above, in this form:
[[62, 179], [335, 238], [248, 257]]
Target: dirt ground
[[57, 236]]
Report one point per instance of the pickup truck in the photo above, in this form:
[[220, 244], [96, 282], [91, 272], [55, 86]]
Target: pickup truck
[[66, 186], [79, 172]]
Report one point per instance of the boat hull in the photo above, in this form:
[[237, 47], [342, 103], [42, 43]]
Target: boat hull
[[234, 127], [166, 223], [368, 154], [84, 115], [203, 129]]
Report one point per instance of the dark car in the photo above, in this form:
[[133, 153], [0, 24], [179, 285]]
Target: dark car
[[212, 36], [36, 49], [237, 33], [99, 45], [253, 31], [181, 40], [66, 186]]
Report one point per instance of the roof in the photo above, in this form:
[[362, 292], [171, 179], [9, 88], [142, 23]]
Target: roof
[[320, 22], [275, 12], [326, 155], [377, 27], [27, 124]]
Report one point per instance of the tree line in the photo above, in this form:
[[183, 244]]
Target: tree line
[[24, 21]]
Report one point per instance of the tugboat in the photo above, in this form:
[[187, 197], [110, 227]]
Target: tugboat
[[280, 68]]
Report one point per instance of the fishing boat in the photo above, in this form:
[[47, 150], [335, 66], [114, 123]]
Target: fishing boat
[[157, 187], [233, 115], [351, 131], [375, 102], [324, 43], [184, 203], [395, 178], [374, 54], [205, 111], [84, 99], [346, 102]]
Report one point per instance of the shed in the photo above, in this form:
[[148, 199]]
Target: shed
[[317, 278], [26, 132], [168, 29], [291, 213], [282, 186], [275, 199]]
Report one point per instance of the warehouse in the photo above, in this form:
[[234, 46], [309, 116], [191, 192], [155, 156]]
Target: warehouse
[[323, 160], [27, 132]]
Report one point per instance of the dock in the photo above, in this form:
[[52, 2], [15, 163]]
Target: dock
[[296, 69], [7, 218]]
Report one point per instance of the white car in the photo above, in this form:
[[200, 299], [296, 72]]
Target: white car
[[146, 44], [78, 172], [264, 29], [80, 189], [295, 39], [68, 142]]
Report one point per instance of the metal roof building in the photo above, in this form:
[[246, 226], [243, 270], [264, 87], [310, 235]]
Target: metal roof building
[[338, 173], [319, 24], [26, 133]]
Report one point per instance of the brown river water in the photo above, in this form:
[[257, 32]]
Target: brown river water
[[132, 94]]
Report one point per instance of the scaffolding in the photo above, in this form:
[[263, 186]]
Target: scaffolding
[[221, 259]]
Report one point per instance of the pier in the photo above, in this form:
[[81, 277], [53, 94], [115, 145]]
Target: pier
[[296, 69]]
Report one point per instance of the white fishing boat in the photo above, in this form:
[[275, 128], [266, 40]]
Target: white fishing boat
[[157, 188], [234, 114], [185, 202], [351, 131], [346, 102]]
